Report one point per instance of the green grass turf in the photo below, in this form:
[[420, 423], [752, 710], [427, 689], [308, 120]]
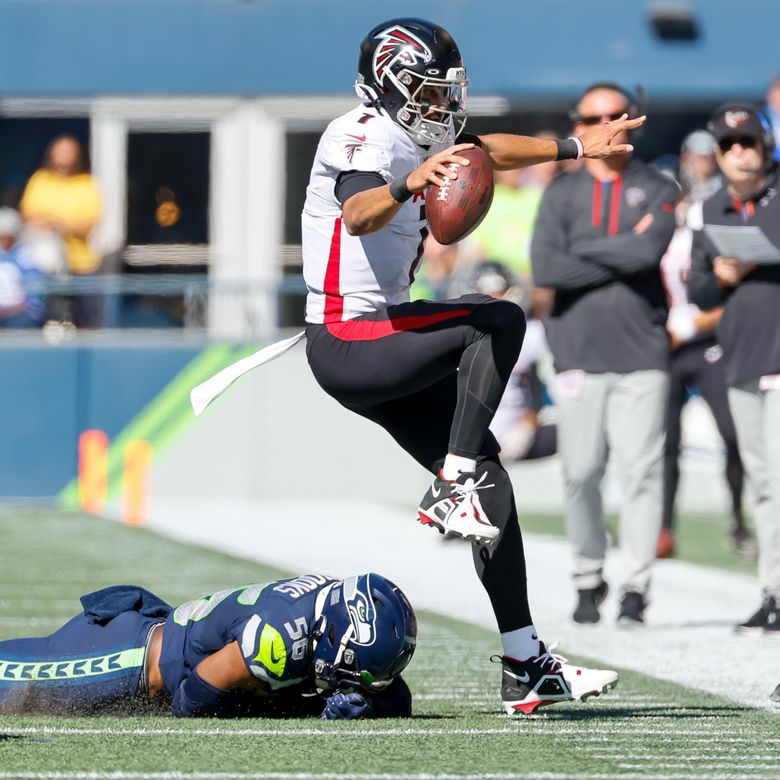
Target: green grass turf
[[646, 728], [701, 538]]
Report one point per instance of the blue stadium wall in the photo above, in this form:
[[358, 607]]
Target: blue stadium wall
[[48, 395], [282, 47]]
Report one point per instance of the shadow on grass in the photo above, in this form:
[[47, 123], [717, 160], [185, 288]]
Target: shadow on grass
[[660, 712], [426, 716], [683, 624]]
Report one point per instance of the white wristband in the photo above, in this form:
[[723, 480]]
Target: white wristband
[[580, 148]]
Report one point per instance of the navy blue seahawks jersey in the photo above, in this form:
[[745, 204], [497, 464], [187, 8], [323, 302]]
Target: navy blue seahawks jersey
[[270, 621]]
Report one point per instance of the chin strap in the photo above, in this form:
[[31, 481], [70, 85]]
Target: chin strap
[[319, 606], [366, 93]]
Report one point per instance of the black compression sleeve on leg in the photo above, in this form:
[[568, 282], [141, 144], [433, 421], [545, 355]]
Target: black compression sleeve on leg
[[497, 329], [501, 569]]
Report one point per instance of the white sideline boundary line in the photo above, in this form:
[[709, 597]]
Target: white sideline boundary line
[[90, 775], [522, 729]]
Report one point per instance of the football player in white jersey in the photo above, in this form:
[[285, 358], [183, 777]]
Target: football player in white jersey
[[430, 373]]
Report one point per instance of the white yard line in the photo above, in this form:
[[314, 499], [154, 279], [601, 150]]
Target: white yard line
[[689, 638], [102, 775], [228, 732], [522, 728]]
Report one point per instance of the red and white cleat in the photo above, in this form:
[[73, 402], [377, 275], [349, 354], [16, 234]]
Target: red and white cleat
[[454, 507], [549, 679]]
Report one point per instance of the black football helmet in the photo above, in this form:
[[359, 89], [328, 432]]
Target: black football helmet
[[412, 69]]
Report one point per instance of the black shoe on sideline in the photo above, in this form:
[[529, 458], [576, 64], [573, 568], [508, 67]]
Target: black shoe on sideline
[[589, 601], [632, 609], [772, 625], [744, 542], [776, 695], [765, 618]]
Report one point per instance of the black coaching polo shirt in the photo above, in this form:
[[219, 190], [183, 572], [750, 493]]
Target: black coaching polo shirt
[[610, 304], [749, 331]]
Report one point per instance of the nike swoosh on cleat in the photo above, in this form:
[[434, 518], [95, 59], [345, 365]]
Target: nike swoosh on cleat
[[435, 492], [524, 678]]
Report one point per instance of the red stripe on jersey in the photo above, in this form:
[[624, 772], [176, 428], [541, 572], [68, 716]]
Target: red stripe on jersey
[[614, 206], [334, 303], [371, 330], [596, 205]]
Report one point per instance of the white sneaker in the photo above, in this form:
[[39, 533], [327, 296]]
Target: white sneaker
[[548, 679], [454, 507]]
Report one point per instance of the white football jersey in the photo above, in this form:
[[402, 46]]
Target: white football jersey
[[676, 262], [352, 275]]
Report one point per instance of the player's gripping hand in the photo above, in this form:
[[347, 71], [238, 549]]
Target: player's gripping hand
[[346, 706], [435, 169], [600, 141]]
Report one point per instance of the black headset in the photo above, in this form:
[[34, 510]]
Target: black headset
[[634, 102], [767, 136]]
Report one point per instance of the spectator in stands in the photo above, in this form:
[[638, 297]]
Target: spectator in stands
[[699, 174], [61, 205], [434, 276], [773, 112], [22, 304], [516, 424], [505, 233], [598, 242], [696, 356], [749, 330]]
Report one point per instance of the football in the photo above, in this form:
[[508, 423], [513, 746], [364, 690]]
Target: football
[[455, 209]]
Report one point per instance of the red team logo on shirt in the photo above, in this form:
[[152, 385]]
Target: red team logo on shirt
[[354, 147], [398, 45]]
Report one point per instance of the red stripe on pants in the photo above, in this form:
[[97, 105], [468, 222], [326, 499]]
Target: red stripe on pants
[[370, 330]]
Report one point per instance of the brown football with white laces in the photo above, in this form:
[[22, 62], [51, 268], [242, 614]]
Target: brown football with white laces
[[456, 209]]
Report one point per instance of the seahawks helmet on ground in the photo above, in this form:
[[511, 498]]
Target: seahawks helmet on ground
[[412, 69], [365, 635]]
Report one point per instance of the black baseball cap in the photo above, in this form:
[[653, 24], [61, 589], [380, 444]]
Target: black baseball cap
[[737, 119]]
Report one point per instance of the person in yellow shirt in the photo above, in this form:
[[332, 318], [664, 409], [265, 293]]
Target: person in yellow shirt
[[62, 197]]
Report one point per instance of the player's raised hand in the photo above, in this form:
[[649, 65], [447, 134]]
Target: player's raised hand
[[436, 168], [608, 139]]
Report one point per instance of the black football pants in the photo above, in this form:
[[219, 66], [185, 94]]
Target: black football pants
[[689, 368], [432, 375]]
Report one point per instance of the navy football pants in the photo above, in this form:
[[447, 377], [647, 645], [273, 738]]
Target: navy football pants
[[81, 668]]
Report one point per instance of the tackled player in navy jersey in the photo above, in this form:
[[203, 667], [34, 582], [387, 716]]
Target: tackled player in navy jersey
[[307, 645], [431, 373]]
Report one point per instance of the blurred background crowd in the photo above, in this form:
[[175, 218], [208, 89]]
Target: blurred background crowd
[[163, 192]]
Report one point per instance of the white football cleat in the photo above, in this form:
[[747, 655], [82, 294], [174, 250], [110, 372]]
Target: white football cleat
[[454, 507], [549, 679]]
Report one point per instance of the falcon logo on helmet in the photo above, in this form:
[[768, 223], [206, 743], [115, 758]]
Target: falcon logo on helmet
[[412, 71], [398, 46]]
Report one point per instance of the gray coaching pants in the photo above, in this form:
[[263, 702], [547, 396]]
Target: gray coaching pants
[[620, 415], [756, 416]]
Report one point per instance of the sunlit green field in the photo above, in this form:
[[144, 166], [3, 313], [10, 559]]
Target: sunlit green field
[[646, 728]]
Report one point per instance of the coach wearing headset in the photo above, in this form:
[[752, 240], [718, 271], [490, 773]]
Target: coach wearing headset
[[600, 234], [749, 331]]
